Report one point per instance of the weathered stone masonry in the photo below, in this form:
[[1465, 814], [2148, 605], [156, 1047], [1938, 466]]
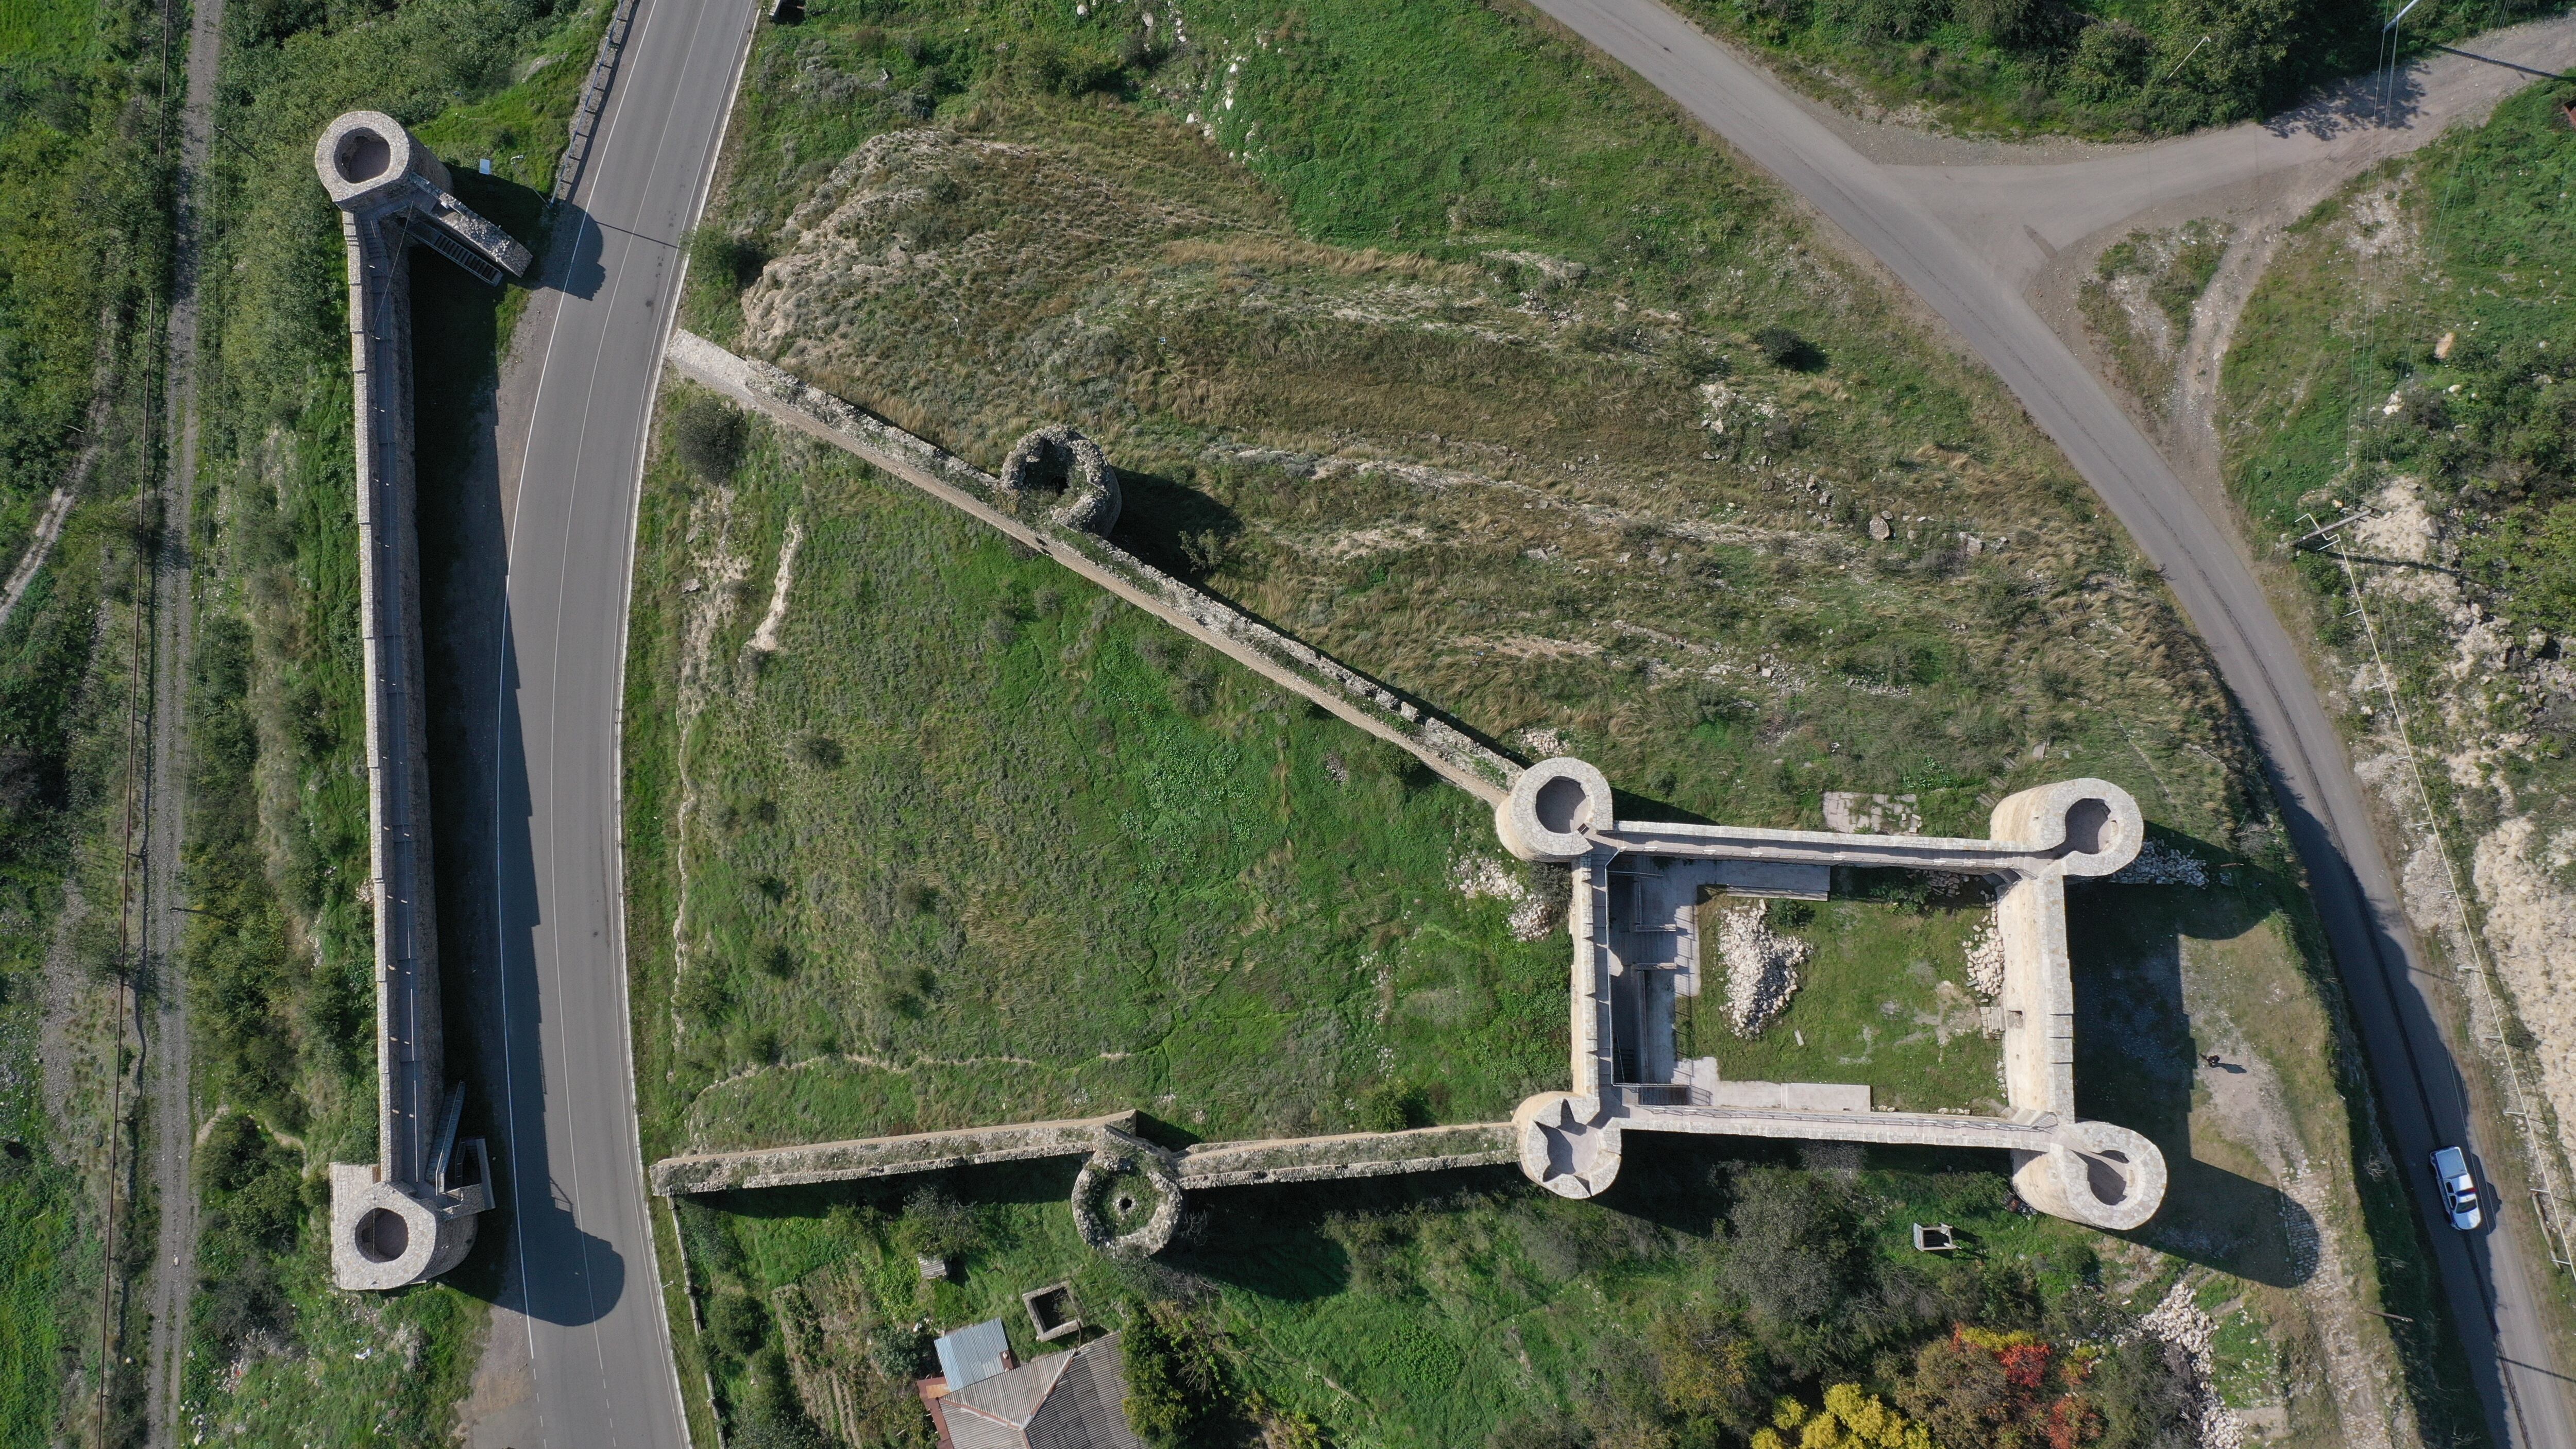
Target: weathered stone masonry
[[1634, 939], [410, 1215]]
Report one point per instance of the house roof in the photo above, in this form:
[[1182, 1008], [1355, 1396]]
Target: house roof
[[974, 1353], [1073, 1400]]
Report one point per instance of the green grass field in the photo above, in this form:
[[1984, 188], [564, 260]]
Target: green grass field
[[979, 843], [1882, 1000], [83, 256]]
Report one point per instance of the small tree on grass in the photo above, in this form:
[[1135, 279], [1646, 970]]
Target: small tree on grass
[[935, 1225], [1177, 1390], [708, 436], [724, 261], [1787, 349]]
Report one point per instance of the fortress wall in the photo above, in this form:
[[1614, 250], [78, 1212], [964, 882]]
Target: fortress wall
[[398, 1220], [1209, 1164], [1286, 662]]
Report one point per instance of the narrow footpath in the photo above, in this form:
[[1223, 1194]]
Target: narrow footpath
[[171, 1110]]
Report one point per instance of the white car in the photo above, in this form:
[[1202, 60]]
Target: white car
[[2459, 1189]]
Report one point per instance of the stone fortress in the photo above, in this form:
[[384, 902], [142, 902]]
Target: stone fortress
[[409, 1215], [1634, 921]]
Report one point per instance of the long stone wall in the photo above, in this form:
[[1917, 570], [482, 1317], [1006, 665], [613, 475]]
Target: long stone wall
[[409, 1215], [1284, 661], [1205, 1165]]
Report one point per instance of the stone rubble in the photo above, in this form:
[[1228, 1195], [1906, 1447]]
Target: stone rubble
[[1761, 967], [1481, 877], [2161, 864], [1986, 959], [2178, 1321]]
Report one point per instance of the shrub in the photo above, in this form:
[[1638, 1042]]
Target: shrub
[[936, 1225], [736, 1323], [1790, 1254], [821, 751], [1999, 21], [2111, 59], [708, 435], [245, 1301], [1787, 349], [1393, 1107], [721, 260], [1710, 1371], [1176, 1385], [2531, 561]]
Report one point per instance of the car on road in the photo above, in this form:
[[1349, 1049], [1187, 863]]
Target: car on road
[[2459, 1188]]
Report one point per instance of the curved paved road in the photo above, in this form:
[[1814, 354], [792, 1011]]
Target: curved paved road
[[575, 400], [2489, 1279]]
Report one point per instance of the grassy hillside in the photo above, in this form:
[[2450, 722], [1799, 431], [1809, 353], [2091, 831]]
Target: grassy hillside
[[279, 951], [2407, 361], [1417, 335], [2108, 68], [83, 250], [1471, 1308]]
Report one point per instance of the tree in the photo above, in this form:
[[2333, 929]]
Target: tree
[[1850, 1419], [708, 436], [1177, 1390], [2003, 1390], [1710, 1371], [2530, 558]]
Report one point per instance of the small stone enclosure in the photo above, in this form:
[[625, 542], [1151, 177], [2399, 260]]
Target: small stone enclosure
[[1634, 883]]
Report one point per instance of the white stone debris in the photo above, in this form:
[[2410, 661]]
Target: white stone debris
[[1761, 967], [2179, 1321], [1986, 959], [1850, 812], [1481, 877], [2161, 864]]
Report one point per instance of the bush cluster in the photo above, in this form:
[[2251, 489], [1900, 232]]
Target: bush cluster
[[1812, 1336], [2039, 64]]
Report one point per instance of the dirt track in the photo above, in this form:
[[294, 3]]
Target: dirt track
[[165, 1033]]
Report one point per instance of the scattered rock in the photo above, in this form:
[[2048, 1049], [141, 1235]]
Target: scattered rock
[[1986, 959], [2161, 864], [1849, 812], [1761, 967], [2178, 1321]]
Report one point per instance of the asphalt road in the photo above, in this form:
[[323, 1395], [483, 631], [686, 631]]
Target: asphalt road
[[2488, 1278], [582, 1282]]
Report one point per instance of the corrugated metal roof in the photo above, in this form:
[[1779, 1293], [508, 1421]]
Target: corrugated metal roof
[[973, 1353], [1014, 1396], [1075, 1400]]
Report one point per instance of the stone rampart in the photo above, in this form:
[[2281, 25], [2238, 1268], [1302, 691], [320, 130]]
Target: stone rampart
[[1351, 1154], [868, 1157], [1284, 661], [1571, 1142], [409, 1216]]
